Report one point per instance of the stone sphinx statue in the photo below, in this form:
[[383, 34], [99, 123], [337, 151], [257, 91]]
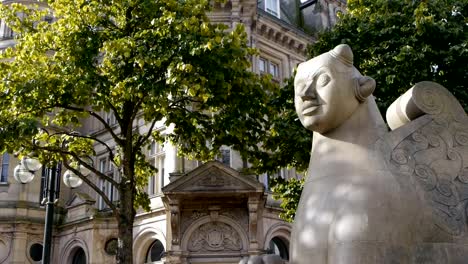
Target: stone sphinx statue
[[374, 195]]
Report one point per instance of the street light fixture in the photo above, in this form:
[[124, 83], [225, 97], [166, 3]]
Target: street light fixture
[[24, 173], [71, 180]]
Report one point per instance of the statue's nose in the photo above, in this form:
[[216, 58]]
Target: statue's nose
[[308, 91]]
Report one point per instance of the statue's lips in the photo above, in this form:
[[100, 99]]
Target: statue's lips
[[309, 110]]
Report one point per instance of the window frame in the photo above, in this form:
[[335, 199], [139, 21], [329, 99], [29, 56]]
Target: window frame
[[148, 252], [268, 63], [275, 74], [5, 168], [107, 167], [110, 118], [279, 247], [270, 11], [157, 157], [222, 157], [6, 33]]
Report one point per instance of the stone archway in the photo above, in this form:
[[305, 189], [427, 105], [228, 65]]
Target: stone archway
[[281, 230], [143, 240], [277, 240], [72, 247]]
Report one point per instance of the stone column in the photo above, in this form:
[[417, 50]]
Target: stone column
[[19, 246], [173, 233], [175, 223], [254, 216]]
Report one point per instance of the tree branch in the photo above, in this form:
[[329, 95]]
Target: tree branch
[[98, 117], [116, 114], [78, 158], [115, 210], [142, 139], [109, 149], [91, 168]]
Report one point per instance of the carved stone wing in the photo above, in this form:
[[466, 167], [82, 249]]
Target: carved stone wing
[[432, 153]]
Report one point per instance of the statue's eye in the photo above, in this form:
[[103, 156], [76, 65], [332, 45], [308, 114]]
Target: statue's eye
[[323, 79]]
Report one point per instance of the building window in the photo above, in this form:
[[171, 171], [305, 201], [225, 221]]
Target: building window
[[157, 159], [5, 31], [281, 173], [225, 156], [107, 168], [278, 247], [110, 118], [5, 163], [48, 19], [79, 257], [273, 7], [111, 247], [266, 181], [155, 252], [35, 252], [274, 69], [262, 65], [266, 66]]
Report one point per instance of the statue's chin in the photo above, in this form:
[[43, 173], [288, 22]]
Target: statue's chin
[[314, 125]]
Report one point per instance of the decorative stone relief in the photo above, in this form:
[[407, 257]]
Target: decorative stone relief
[[213, 180], [280, 36], [215, 236], [190, 216], [175, 223], [239, 215], [435, 156]]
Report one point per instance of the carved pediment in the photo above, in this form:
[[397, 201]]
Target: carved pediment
[[214, 177], [80, 199], [80, 207]]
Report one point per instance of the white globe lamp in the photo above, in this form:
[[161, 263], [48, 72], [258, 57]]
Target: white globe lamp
[[71, 180], [31, 164], [22, 174]]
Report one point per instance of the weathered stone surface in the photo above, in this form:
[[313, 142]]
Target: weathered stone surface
[[373, 195], [262, 259], [214, 236]]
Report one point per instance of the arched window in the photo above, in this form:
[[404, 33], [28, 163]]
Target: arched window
[[79, 257], [155, 252], [35, 252], [4, 168], [278, 247]]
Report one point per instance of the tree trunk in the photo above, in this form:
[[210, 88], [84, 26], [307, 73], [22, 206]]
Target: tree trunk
[[125, 244], [127, 212], [125, 225]]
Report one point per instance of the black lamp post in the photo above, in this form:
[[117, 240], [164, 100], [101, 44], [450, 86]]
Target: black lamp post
[[24, 173], [51, 194]]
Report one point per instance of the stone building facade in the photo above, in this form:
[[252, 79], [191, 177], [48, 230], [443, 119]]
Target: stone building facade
[[200, 213]]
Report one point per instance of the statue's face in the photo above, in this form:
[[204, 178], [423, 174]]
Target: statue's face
[[324, 93]]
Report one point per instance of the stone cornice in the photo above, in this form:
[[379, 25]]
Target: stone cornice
[[282, 33]]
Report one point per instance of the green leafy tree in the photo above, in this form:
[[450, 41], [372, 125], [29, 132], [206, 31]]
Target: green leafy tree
[[402, 42], [285, 143], [398, 43], [289, 192], [141, 61]]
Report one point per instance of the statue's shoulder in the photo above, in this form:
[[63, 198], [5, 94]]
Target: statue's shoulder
[[428, 150]]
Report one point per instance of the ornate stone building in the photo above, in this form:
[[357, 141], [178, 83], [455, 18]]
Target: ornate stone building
[[204, 213]]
